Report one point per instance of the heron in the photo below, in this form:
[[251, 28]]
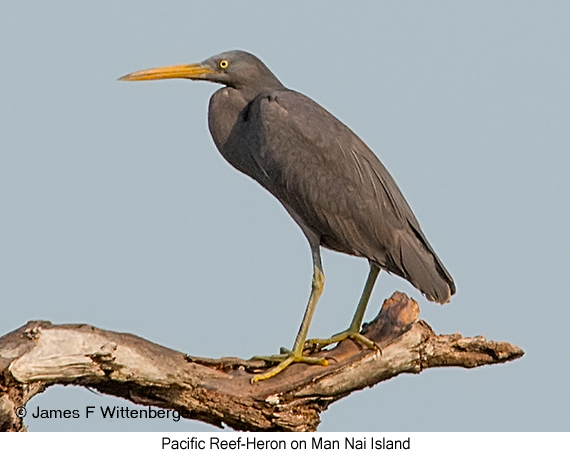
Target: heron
[[328, 180]]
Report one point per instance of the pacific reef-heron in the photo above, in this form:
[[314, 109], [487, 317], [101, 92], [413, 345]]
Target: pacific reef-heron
[[335, 188]]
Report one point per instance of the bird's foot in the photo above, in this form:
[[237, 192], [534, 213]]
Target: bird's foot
[[318, 344], [285, 358]]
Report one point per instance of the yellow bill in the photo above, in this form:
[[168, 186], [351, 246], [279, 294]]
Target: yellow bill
[[190, 71]]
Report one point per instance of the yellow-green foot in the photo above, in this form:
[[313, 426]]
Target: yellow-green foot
[[284, 360], [320, 343]]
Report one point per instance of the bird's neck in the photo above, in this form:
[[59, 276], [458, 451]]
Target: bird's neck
[[226, 104], [229, 125]]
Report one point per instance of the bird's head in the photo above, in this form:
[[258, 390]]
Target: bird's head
[[237, 69]]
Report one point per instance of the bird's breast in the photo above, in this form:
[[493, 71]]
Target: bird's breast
[[229, 126], [225, 107]]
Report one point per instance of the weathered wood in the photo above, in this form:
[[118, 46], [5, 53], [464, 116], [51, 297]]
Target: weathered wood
[[219, 391]]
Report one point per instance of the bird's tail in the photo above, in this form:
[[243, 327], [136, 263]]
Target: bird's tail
[[421, 266]]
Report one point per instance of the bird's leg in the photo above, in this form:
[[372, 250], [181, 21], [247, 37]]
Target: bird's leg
[[296, 355], [353, 330]]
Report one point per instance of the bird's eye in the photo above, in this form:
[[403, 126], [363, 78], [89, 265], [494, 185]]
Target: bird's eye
[[224, 64]]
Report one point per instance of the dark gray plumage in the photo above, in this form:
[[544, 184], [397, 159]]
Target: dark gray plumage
[[331, 183]]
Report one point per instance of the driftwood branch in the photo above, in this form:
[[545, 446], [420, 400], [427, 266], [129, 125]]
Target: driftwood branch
[[219, 391]]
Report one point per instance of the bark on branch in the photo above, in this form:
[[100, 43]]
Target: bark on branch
[[218, 391]]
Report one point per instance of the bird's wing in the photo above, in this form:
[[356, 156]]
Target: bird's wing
[[321, 170], [312, 159]]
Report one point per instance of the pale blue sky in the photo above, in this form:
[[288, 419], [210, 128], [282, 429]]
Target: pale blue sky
[[118, 211]]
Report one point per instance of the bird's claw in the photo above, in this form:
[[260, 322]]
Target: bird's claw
[[318, 344], [285, 360]]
